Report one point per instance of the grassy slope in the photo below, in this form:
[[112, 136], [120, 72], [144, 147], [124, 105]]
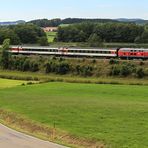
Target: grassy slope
[[70, 78], [51, 36], [115, 114]]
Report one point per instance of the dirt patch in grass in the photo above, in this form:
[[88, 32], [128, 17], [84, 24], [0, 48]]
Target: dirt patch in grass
[[24, 125]]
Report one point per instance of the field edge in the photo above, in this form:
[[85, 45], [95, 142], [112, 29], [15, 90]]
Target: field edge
[[51, 134]]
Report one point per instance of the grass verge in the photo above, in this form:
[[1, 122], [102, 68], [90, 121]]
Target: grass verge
[[17, 75], [26, 126]]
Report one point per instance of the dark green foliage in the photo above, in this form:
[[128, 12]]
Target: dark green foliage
[[84, 70], [46, 22], [94, 40], [6, 33], [34, 66], [140, 73], [141, 63], [62, 68], [23, 34], [113, 61], [5, 57], [115, 71], [25, 65], [124, 69], [57, 22], [43, 41], [48, 68], [94, 32], [57, 67]]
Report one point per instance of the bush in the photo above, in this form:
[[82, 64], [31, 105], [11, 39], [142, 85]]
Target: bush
[[34, 67], [86, 71], [140, 73], [25, 66], [113, 61], [115, 71], [62, 68], [48, 68], [125, 70], [141, 63]]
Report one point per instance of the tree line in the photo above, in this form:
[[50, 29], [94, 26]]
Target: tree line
[[103, 32], [23, 34], [57, 22]]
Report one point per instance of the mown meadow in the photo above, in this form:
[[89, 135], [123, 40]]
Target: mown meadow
[[115, 115]]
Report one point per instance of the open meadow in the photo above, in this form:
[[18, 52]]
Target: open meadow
[[115, 115]]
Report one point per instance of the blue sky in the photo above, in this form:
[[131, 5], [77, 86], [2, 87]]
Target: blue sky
[[34, 9]]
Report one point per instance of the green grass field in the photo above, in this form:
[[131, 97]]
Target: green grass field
[[51, 36], [114, 114]]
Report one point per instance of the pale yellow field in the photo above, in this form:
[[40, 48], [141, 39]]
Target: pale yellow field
[[6, 83]]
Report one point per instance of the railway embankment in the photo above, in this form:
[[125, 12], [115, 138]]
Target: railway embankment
[[99, 71]]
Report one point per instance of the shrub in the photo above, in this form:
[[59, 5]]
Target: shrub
[[140, 73], [24, 66], [62, 68], [86, 71], [48, 68], [34, 67], [125, 70], [115, 71], [141, 63], [113, 61]]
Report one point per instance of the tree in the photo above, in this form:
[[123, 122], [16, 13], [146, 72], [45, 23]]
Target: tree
[[94, 40], [5, 54], [43, 41]]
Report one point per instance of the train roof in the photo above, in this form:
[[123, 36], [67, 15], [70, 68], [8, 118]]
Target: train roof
[[127, 49], [61, 48]]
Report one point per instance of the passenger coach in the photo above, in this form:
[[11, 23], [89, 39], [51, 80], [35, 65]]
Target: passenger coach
[[123, 53]]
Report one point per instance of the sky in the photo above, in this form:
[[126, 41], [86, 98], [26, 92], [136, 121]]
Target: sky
[[11, 10]]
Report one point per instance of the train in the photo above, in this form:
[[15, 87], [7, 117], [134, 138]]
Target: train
[[122, 53]]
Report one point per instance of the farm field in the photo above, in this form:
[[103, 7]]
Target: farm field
[[116, 115]]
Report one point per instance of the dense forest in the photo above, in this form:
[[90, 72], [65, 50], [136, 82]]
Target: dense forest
[[23, 34], [103, 32]]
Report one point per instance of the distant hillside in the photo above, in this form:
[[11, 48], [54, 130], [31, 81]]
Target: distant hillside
[[12, 23], [57, 22], [137, 21]]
